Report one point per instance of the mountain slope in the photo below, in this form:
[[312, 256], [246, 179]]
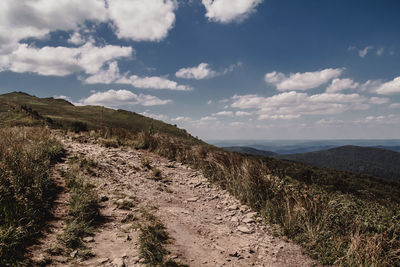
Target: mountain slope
[[375, 161], [19, 108], [249, 150]]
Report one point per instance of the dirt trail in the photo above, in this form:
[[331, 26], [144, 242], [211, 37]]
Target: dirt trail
[[208, 226], [38, 253]]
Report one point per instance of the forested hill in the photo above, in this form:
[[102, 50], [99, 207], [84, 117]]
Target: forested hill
[[375, 161]]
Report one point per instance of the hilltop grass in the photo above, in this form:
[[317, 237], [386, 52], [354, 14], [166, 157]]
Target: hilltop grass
[[26, 188]]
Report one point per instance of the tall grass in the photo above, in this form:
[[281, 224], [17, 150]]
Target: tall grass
[[338, 217], [26, 187]]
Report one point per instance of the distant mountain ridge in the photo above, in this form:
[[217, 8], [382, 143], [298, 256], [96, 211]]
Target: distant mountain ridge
[[250, 150], [369, 160]]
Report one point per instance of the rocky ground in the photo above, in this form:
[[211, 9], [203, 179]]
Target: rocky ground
[[208, 226]]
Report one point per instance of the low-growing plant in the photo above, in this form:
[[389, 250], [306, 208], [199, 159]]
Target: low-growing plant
[[152, 240]]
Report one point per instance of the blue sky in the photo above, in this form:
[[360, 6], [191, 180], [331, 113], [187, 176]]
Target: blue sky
[[223, 69]]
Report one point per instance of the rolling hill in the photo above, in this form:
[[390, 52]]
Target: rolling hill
[[18, 108], [369, 160]]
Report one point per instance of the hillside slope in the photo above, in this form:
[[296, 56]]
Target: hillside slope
[[19, 108], [375, 161]]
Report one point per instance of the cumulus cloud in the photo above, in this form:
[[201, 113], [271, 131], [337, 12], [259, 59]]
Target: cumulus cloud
[[363, 52], [382, 119], [77, 39], [224, 113], [117, 98], [243, 113], [389, 88], [182, 119], [112, 75], [137, 20], [202, 71], [160, 117], [140, 20], [226, 11], [153, 82], [62, 61], [378, 100], [24, 18], [338, 85], [291, 105], [208, 118], [301, 81], [105, 76]]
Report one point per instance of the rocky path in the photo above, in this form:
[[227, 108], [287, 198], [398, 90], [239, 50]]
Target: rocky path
[[207, 225]]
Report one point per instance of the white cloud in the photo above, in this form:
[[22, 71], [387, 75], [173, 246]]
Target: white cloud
[[224, 113], [153, 82], [290, 105], [243, 113], [378, 100], [226, 11], [338, 85], [160, 117], [301, 81], [182, 118], [76, 39], [112, 75], [330, 122], [208, 118], [105, 76], [380, 51], [394, 106], [370, 86], [116, 98], [362, 53], [232, 67], [62, 61], [391, 87], [26, 18], [139, 20], [383, 119], [202, 71]]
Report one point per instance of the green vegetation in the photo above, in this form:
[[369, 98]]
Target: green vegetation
[[375, 161], [152, 240], [26, 188], [83, 213]]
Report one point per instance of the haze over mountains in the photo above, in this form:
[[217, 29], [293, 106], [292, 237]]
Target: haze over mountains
[[375, 161]]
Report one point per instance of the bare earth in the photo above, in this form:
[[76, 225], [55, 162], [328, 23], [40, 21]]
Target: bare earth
[[208, 226]]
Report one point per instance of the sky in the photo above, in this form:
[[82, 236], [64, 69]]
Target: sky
[[222, 69]]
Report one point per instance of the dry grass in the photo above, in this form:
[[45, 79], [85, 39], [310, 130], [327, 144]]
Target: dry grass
[[26, 188], [340, 218]]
